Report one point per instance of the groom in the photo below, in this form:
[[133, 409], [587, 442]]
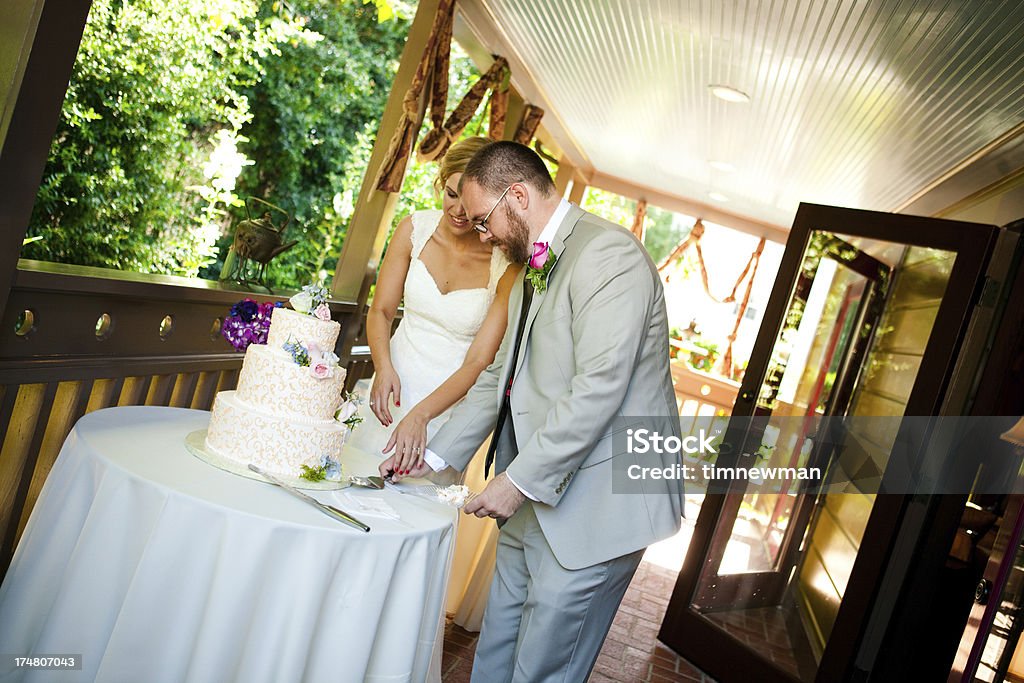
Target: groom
[[585, 354]]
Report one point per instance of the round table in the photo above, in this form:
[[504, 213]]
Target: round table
[[155, 566]]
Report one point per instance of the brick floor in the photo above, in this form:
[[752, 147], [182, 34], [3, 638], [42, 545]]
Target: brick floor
[[631, 654]]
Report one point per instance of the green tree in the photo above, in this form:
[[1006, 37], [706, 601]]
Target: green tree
[[152, 86], [664, 229], [314, 112]]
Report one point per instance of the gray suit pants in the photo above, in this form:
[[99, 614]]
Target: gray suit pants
[[545, 623]]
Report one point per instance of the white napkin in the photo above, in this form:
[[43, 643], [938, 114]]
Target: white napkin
[[369, 506]]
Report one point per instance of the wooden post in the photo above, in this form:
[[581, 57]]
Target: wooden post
[[368, 228], [565, 174], [579, 186], [516, 109], [40, 42]]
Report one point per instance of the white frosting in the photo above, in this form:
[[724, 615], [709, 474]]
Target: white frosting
[[281, 417], [278, 444], [271, 380], [455, 495], [285, 323]]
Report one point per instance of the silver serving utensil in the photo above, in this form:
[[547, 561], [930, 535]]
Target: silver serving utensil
[[367, 482], [328, 510]]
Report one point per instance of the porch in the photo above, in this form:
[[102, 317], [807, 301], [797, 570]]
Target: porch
[[77, 339]]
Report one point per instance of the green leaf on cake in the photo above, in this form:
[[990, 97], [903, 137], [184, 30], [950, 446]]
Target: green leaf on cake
[[314, 473]]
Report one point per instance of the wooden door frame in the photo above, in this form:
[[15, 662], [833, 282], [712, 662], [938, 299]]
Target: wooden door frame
[[770, 585], [689, 633]]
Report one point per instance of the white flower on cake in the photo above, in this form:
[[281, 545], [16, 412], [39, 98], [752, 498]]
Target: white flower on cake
[[455, 495], [310, 299], [346, 413], [302, 302]]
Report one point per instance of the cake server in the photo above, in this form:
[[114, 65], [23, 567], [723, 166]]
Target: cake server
[[328, 510], [367, 482]]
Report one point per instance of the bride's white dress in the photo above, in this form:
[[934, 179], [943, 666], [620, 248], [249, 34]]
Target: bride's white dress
[[432, 338]]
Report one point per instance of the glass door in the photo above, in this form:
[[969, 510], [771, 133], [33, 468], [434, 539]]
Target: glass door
[[863, 320]]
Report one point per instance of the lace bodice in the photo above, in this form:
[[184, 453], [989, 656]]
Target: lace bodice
[[435, 332], [457, 314]]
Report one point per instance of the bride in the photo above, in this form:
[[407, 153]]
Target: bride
[[455, 290]]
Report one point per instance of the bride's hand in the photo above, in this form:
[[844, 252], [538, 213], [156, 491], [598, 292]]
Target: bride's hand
[[385, 385], [408, 440]]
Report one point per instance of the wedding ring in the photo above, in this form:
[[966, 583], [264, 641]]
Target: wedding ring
[[371, 404]]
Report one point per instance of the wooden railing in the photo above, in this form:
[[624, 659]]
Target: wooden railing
[[76, 339], [700, 394]]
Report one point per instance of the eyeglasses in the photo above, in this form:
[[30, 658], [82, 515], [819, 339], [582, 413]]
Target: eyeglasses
[[481, 227]]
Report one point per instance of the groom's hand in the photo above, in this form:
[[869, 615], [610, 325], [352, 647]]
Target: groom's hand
[[500, 499]]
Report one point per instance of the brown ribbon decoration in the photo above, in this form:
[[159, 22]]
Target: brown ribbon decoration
[[438, 139], [499, 111], [693, 239], [528, 126], [638, 220], [438, 49], [755, 261]]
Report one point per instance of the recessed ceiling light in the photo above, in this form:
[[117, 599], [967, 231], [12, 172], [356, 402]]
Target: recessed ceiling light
[[728, 93], [723, 166], [718, 196]]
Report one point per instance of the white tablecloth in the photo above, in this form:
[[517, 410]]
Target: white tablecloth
[[155, 566]]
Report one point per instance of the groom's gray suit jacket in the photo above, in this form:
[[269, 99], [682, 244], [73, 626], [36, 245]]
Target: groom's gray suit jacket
[[595, 351]]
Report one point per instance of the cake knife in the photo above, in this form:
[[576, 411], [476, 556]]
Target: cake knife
[[329, 510]]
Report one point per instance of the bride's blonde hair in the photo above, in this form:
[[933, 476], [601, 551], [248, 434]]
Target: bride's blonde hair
[[455, 159]]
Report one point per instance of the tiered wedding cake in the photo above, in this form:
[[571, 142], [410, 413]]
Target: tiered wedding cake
[[282, 415]]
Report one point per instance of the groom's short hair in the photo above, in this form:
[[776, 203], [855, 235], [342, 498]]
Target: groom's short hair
[[502, 163]]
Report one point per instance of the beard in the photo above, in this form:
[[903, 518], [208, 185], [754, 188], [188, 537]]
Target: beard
[[516, 244]]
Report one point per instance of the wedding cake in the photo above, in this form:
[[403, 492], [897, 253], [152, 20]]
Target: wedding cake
[[282, 415]]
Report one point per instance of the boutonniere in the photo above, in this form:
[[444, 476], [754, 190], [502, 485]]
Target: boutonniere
[[540, 264]]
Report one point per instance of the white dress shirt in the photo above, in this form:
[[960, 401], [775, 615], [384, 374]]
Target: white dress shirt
[[437, 463]]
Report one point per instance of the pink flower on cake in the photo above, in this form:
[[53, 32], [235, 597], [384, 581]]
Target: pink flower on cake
[[323, 312], [321, 369], [321, 363]]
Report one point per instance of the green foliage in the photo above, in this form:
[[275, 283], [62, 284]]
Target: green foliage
[[315, 111], [152, 85], [704, 361], [177, 110], [313, 473], [610, 206], [665, 229]]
